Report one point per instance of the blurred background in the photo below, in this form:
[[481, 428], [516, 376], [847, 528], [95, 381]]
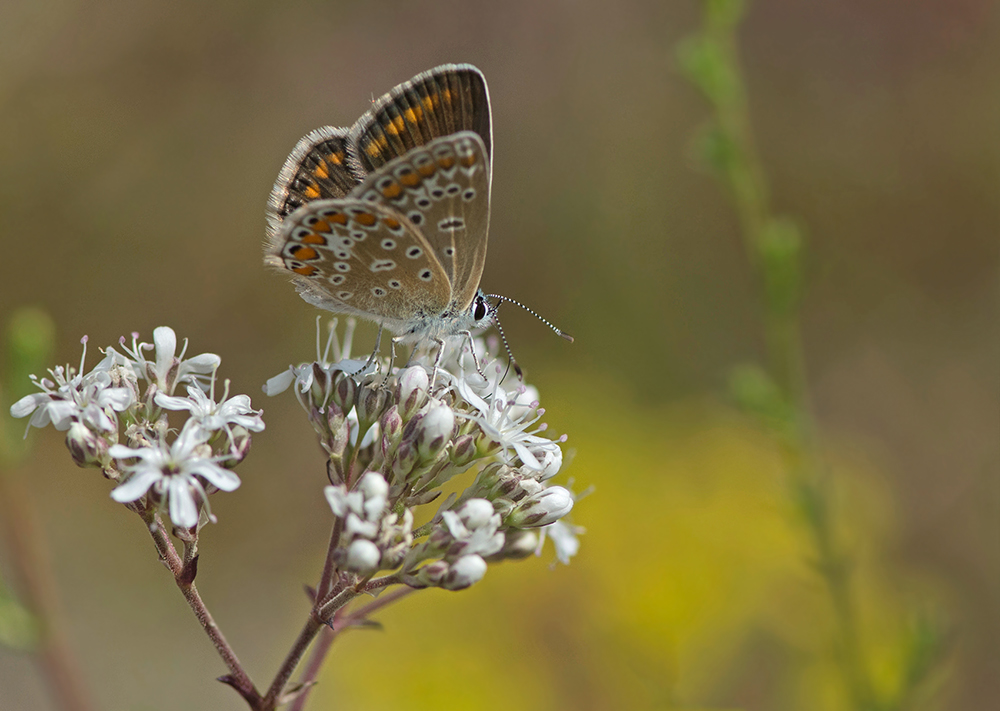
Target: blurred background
[[140, 140]]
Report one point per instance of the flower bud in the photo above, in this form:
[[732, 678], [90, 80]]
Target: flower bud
[[239, 447], [435, 431], [406, 459], [86, 448], [392, 426], [476, 513], [518, 544], [464, 572], [411, 393], [541, 509], [345, 393], [464, 450], [362, 556], [429, 575], [371, 404], [549, 459]]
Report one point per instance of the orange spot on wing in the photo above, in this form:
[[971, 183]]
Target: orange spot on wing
[[446, 162], [311, 192], [303, 254], [305, 270], [365, 218], [427, 169], [414, 115], [321, 171], [392, 191], [469, 159], [410, 179], [337, 218], [390, 223], [313, 238], [335, 158]]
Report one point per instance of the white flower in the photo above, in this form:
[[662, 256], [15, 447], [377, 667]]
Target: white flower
[[73, 397], [174, 472], [564, 540], [212, 416], [506, 420], [168, 370], [474, 529]]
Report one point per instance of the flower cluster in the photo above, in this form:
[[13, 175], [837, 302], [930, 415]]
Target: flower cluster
[[398, 439], [113, 424]]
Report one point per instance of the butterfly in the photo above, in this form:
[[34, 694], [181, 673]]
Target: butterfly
[[388, 219]]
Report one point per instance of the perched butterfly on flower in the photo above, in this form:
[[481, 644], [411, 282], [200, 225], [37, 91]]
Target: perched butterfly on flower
[[388, 219]]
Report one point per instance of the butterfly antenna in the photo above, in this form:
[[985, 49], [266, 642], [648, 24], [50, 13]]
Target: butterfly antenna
[[548, 323], [511, 360]]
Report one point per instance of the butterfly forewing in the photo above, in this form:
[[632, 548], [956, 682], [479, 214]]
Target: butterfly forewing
[[315, 170], [442, 101], [355, 256], [443, 189]]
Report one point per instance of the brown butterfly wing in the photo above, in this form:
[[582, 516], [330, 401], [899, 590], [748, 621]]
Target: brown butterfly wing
[[316, 169], [357, 257], [442, 101]]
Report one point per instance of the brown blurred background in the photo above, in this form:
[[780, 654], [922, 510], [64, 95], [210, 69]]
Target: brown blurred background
[[140, 140]]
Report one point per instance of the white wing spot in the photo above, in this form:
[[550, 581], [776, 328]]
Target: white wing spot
[[414, 252], [388, 244], [469, 194], [379, 291], [426, 275], [344, 295], [454, 189], [395, 284], [343, 267], [337, 279], [451, 223], [383, 265]]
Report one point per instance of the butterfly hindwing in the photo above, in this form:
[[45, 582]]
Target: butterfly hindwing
[[443, 189], [358, 257]]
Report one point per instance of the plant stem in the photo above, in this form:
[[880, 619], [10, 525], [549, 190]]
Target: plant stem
[[239, 679], [329, 634], [809, 476]]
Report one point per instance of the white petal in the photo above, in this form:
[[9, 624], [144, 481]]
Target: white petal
[[224, 479], [183, 510], [137, 485], [172, 402], [165, 341], [279, 383], [27, 404]]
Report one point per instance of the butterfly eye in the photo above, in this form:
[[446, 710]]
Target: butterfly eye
[[480, 309]]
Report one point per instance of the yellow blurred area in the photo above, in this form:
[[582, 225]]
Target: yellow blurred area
[[140, 141]]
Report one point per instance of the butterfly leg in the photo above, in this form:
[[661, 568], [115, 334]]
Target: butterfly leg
[[373, 357], [472, 350], [437, 360]]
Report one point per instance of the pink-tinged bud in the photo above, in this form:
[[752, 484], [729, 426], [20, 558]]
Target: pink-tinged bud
[[372, 402], [429, 575], [411, 392], [345, 393], [464, 572], [543, 508], [464, 450], [435, 431], [86, 448], [392, 424], [406, 459], [518, 544]]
